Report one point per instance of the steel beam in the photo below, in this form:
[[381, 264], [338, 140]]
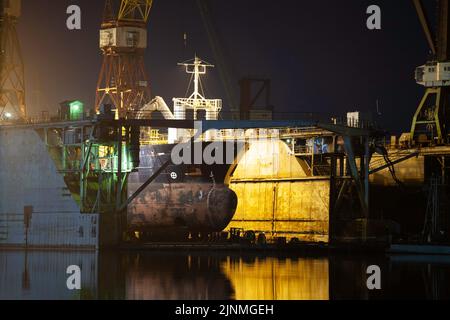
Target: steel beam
[[412, 155], [119, 170], [425, 25], [355, 175], [145, 185]]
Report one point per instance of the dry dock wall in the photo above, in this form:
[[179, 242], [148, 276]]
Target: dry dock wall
[[277, 198], [29, 181]]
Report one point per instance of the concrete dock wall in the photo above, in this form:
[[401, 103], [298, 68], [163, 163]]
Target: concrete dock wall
[[36, 208]]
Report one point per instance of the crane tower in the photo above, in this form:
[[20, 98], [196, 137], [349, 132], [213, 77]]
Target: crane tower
[[123, 81], [12, 79], [432, 117]]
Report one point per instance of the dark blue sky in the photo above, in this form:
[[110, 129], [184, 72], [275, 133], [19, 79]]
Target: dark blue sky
[[319, 54]]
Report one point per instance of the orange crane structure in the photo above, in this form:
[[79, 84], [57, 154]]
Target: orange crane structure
[[12, 78], [123, 82]]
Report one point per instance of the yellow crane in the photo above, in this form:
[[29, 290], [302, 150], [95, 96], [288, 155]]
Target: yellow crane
[[431, 121], [138, 10], [123, 81]]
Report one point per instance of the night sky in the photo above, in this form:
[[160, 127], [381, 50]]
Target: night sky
[[319, 54]]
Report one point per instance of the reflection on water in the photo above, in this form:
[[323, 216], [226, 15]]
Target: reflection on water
[[278, 279], [175, 277], [155, 276], [42, 275]]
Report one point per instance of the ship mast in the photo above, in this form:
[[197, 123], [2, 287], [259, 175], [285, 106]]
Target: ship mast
[[197, 68], [195, 102]]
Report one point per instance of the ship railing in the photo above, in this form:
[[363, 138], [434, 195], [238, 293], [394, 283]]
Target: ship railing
[[240, 135], [198, 103], [355, 123], [303, 150]]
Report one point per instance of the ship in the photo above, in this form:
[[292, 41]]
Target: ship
[[191, 199], [183, 201]]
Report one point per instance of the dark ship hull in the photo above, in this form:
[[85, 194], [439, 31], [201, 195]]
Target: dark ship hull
[[185, 199]]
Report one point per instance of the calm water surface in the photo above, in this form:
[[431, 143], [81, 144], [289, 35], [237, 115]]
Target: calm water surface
[[149, 276]]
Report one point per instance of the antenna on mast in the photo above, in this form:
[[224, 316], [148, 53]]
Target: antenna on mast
[[196, 101], [196, 67]]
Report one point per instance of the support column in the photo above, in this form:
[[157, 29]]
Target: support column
[[211, 115], [119, 168], [118, 214], [175, 135], [361, 186], [365, 168]]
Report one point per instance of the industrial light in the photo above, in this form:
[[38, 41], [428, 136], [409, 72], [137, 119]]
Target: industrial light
[[76, 109], [8, 115], [76, 106]]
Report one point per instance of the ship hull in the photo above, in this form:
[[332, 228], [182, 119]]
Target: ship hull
[[184, 199]]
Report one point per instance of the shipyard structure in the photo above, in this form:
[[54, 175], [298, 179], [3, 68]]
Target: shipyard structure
[[139, 171]]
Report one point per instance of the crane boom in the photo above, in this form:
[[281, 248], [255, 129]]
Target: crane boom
[[425, 25], [135, 10], [224, 71]]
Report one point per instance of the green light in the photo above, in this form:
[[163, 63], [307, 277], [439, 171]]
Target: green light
[[76, 110]]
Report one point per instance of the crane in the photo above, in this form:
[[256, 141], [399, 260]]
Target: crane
[[12, 77], [432, 117], [123, 82], [224, 71]]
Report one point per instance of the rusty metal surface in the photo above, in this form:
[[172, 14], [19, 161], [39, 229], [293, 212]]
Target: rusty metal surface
[[185, 198]]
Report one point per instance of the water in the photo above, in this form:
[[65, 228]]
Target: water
[[149, 276]]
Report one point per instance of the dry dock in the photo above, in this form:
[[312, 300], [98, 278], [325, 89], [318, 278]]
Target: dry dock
[[312, 184]]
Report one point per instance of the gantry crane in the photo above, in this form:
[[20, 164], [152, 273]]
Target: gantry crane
[[432, 118], [123, 81], [12, 78]]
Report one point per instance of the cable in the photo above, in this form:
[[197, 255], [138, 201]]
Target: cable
[[391, 167]]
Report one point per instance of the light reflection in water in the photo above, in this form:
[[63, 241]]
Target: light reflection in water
[[175, 277], [42, 275], [215, 276], [278, 279]]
